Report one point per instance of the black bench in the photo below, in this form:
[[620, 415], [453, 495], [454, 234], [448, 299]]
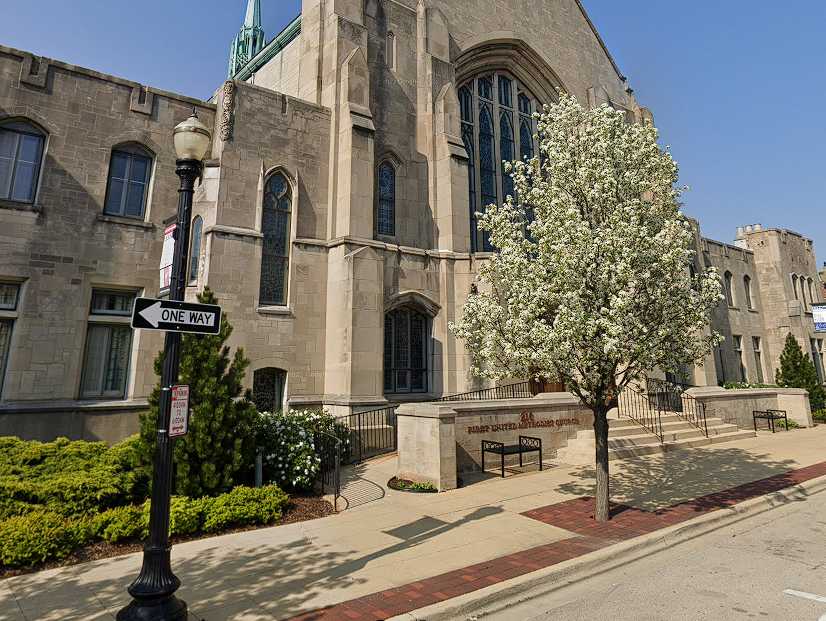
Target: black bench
[[526, 444], [770, 416]]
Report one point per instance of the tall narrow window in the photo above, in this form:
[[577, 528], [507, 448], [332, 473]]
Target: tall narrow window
[[727, 286], [810, 287], [275, 251], [747, 288], [108, 345], [758, 358], [794, 287], [720, 364], [738, 352], [9, 293], [497, 126], [507, 143], [195, 248], [129, 170], [21, 153], [268, 389], [390, 50], [405, 351], [386, 210], [525, 127], [468, 137]]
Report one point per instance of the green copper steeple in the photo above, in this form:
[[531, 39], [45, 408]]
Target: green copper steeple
[[249, 40]]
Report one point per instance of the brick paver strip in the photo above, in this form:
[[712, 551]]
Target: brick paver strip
[[573, 515]]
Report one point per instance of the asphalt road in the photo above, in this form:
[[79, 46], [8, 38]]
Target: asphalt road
[[743, 571]]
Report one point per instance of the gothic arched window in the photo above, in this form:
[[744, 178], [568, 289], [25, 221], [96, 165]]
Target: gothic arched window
[[405, 351], [275, 250], [130, 169], [386, 208], [747, 288], [496, 115], [728, 288]]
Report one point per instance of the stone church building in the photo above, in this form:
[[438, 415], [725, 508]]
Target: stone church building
[[335, 218]]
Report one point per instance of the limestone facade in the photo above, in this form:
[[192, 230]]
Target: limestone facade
[[350, 90]]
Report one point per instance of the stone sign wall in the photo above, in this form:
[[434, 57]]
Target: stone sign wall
[[438, 442]]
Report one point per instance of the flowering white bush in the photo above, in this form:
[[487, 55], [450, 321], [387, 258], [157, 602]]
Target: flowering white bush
[[590, 284], [288, 442]]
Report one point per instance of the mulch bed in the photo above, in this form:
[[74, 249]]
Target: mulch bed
[[300, 509]]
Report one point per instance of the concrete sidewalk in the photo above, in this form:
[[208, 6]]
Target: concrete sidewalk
[[388, 539]]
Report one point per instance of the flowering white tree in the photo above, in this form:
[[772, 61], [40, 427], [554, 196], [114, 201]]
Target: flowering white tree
[[590, 284]]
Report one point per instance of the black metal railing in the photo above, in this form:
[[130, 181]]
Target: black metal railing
[[328, 449], [520, 390], [636, 405], [372, 433], [672, 397]]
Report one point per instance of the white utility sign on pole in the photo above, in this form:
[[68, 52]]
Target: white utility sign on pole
[[179, 414]]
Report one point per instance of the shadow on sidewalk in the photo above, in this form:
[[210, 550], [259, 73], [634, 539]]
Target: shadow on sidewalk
[[361, 484], [653, 483]]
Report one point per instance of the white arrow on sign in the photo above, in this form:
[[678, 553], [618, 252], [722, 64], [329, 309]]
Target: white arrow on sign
[[152, 314]]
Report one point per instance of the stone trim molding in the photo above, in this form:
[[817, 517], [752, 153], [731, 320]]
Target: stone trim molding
[[28, 407], [222, 229], [516, 56], [228, 110], [415, 299], [34, 70], [105, 77], [141, 100]]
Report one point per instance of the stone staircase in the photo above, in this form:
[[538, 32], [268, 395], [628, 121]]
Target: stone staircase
[[627, 438]]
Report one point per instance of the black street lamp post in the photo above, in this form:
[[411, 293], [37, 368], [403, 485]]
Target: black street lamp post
[[153, 591]]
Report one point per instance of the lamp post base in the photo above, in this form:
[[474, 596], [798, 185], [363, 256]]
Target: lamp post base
[[169, 609]]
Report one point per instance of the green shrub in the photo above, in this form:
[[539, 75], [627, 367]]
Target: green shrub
[[120, 523], [288, 444], [819, 416], [38, 537], [10, 507], [244, 506], [186, 515], [798, 371], [218, 452], [746, 385]]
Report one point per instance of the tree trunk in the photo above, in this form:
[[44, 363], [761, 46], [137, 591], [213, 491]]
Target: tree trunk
[[602, 494]]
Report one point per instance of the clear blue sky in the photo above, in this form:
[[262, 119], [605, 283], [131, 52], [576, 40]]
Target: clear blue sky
[[736, 87]]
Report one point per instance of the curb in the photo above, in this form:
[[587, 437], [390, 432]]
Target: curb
[[498, 597]]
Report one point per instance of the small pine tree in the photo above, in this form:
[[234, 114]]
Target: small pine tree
[[797, 371], [219, 447]]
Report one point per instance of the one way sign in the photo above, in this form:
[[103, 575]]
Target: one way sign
[[170, 316]]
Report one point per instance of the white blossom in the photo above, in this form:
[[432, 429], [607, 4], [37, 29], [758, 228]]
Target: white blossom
[[590, 283]]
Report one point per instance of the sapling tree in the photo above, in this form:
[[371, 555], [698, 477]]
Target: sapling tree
[[590, 284]]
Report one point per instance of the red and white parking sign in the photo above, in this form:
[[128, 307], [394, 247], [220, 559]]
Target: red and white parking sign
[[179, 412]]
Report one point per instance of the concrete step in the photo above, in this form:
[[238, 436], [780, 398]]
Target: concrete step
[[655, 446]]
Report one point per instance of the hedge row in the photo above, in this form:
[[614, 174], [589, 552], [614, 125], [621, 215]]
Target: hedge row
[[43, 535]]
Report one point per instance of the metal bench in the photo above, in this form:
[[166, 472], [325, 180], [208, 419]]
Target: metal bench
[[770, 417], [527, 444]]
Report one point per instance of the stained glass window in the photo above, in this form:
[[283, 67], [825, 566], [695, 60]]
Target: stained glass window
[[386, 211], [497, 126], [21, 151], [268, 389], [129, 170], [405, 351], [275, 250]]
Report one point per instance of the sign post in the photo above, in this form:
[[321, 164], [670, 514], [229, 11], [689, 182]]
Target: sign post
[[819, 316]]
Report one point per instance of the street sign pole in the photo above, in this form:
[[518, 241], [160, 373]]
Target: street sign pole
[[154, 588]]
